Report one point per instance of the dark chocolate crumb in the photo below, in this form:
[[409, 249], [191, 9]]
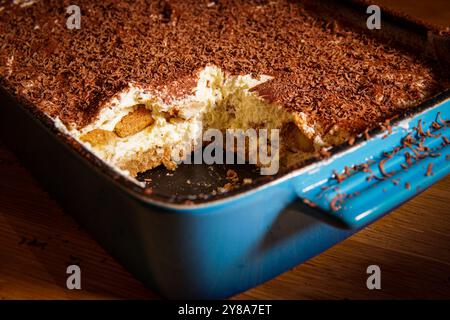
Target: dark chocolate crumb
[[339, 177], [429, 170], [309, 203], [351, 140], [34, 242], [383, 172], [337, 201], [74, 260]]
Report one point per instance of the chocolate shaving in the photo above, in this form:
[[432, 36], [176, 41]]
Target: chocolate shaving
[[378, 178], [408, 158], [366, 134], [439, 118], [348, 171], [351, 141], [325, 153], [446, 140], [429, 134], [36, 243], [436, 125], [338, 75], [339, 177], [232, 176], [419, 129], [429, 170], [435, 155], [309, 203], [383, 172], [336, 202]]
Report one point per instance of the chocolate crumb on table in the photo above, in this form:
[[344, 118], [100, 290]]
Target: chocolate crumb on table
[[22, 240], [34, 242], [74, 260]]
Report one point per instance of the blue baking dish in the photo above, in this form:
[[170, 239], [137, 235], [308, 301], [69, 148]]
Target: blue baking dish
[[227, 244]]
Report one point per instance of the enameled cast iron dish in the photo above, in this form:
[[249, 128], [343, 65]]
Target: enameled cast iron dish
[[225, 245]]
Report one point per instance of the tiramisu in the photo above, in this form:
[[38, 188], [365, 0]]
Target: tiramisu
[[140, 78]]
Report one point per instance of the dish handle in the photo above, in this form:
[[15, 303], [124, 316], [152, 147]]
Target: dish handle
[[390, 170]]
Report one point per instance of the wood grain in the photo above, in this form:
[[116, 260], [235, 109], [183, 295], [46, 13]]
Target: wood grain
[[38, 241], [411, 245]]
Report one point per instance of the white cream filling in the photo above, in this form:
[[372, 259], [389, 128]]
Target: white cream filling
[[209, 104]]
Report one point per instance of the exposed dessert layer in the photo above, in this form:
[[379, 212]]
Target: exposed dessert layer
[[138, 131]]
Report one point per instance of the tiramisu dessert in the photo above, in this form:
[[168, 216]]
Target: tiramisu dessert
[[140, 78]]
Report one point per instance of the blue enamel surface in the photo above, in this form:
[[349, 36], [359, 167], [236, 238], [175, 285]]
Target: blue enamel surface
[[370, 199], [222, 248], [230, 246]]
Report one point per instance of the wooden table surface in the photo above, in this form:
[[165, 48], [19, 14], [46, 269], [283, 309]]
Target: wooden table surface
[[411, 245]]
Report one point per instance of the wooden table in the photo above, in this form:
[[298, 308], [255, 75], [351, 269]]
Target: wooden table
[[411, 245], [38, 241]]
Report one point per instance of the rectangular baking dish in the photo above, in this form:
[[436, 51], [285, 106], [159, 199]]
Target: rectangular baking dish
[[229, 243]]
